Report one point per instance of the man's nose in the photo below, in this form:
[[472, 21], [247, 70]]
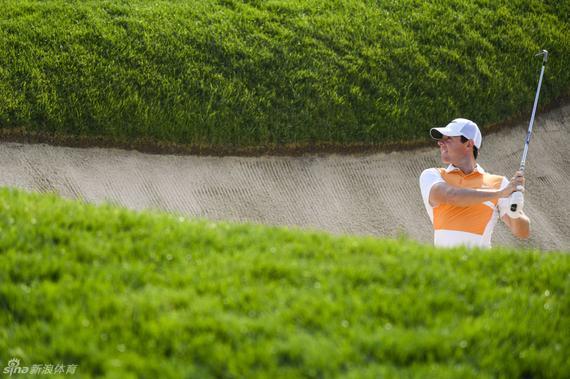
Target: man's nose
[[440, 143]]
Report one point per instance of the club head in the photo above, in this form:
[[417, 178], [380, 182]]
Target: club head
[[544, 53]]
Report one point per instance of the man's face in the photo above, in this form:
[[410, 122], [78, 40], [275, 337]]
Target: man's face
[[453, 150]]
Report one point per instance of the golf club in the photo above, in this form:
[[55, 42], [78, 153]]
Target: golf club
[[517, 198]]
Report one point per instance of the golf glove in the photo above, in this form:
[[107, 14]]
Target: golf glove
[[517, 203]]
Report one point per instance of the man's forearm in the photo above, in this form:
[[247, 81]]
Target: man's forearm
[[463, 197], [520, 227]]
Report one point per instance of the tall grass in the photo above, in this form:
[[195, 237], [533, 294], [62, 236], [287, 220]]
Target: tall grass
[[256, 73], [124, 294]]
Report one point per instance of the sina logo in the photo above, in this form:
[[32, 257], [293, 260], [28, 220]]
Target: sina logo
[[14, 367]]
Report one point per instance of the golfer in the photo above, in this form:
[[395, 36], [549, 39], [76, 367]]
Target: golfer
[[463, 201]]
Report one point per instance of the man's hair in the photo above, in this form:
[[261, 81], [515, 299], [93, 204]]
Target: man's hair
[[475, 150]]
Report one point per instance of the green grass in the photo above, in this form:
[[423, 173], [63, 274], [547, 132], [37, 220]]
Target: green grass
[[235, 73], [126, 294]]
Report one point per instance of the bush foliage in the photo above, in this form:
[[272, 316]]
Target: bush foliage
[[124, 294], [255, 73]]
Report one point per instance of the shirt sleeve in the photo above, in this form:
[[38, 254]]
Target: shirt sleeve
[[428, 178], [504, 202]]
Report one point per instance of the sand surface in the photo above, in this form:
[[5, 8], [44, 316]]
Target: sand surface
[[373, 194]]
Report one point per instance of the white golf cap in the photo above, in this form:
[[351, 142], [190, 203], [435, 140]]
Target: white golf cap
[[459, 127]]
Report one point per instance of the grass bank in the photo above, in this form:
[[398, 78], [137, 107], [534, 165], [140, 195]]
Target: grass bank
[[124, 294], [254, 74]]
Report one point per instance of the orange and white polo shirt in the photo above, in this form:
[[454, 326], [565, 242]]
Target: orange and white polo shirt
[[470, 226]]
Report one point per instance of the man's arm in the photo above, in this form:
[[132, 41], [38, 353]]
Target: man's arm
[[520, 227], [443, 193]]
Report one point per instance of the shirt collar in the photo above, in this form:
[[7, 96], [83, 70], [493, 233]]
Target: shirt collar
[[452, 168]]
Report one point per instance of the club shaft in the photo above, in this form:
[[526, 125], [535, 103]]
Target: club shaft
[[529, 133], [517, 198]]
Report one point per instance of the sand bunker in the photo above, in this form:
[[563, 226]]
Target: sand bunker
[[369, 194]]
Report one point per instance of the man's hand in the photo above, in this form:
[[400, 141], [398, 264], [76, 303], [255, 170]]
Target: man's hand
[[518, 222], [516, 201], [516, 184]]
